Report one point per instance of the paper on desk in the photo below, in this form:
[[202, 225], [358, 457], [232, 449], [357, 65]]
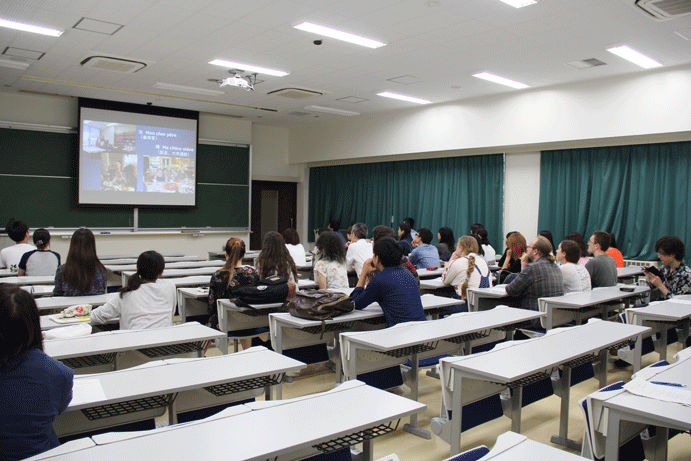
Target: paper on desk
[[87, 390], [659, 392]]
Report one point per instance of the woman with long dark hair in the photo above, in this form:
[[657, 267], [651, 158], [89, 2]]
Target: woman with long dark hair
[[82, 274], [295, 248], [489, 254], [146, 301], [447, 243], [405, 239], [329, 267], [34, 387], [275, 259]]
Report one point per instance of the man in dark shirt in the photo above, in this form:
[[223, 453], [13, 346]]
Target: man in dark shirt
[[394, 287], [539, 278], [602, 267]]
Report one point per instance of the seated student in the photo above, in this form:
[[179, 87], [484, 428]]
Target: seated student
[[404, 238], [380, 232], [539, 278], [614, 252], [34, 387], [275, 259], [41, 261], [424, 255], [411, 222], [19, 233], [146, 302], [229, 278], [578, 238], [677, 275], [334, 226], [447, 243], [466, 269], [394, 288], [602, 268], [359, 250], [576, 277], [329, 268], [548, 235], [515, 249], [506, 243], [489, 254], [475, 228], [295, 248], [82, 274]]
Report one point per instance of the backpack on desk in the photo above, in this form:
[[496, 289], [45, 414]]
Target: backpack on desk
[[320, 305], [273, 289]]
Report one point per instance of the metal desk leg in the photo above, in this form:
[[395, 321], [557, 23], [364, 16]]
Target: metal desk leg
[[457, 416], [412, 427], [116, 361], [612, 443], [352, 364], [550, 317], [267, 392], [367, 451], [602, 368], [637, 352], [661, 439], [684, 333], [563, 437], [516, 401], [663, 341], [173, 411]]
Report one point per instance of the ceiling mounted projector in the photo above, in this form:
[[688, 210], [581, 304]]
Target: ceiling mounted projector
[[238, 80]]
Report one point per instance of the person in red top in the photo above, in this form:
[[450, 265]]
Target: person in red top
[[614, 253]]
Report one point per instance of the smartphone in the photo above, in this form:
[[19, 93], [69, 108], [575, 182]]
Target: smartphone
[[652, 270]]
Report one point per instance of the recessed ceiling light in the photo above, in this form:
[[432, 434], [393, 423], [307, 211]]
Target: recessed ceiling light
[[331, 110], [634, 56], [30, 28], [518, 3], [339, 35], [248, 67], [14, 63], [187, 89], [501, 80], [387, 94]]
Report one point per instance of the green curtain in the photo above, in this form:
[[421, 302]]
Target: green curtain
[[639, 193], [443, 192]]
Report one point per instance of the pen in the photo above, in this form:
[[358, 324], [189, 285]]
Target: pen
[[662, 383]]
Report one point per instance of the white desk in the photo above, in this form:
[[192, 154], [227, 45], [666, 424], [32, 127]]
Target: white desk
[[166, 256], [481, 299], [516, 447], [295, 428], [249, 255], [102, 348], [508, 367], [116, 397], [626, 406], [7, 273], [579, 303], [392, 346], [191, 281], [120, 268], [29, 280], [62, 302], [629, 272], [64, 449], [167, 259], [171, 273], [661, 316], [427, 274]]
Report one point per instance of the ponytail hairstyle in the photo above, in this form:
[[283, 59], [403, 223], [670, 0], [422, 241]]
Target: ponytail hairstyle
[[235, 251], [405, 228], [468, 273], [41, 238], [150, 265]]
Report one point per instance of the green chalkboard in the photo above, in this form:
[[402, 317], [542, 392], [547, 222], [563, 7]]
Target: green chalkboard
[[38, 184]]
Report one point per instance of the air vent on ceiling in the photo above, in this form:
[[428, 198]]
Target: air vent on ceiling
[[586, 63], [113, 64], [295, 93], [663, 10]]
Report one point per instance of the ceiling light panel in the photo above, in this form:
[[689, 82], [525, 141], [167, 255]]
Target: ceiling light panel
[[248, 68], [402, 97], [518, 3], [30, 28], [501, 80], [634, 56], [339, 35]]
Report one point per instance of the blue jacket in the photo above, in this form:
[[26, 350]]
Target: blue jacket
[[425, 256]]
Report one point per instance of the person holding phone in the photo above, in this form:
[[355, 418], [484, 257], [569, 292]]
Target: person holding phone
[[675, 278]]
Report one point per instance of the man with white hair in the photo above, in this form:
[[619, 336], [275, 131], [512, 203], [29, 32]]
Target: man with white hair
[[359, 250]]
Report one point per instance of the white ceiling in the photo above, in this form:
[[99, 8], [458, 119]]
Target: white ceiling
[[440, 47]]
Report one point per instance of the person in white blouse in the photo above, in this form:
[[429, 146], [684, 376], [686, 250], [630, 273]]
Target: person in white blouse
[[329, 267], [360, 250], [295, 248], [490, 255], [146, 302], [576, 277], [466, 269]]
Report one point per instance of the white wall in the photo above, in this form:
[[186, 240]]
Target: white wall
[[521, 194], [270, 155]]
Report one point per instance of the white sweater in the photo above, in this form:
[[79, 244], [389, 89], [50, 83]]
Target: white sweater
[[150, 306]]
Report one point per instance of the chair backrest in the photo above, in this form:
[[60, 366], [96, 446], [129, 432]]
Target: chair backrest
[[473, 454]]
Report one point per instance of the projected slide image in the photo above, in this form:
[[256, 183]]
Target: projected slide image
[[101, 137], [169, 174], [118, 172]]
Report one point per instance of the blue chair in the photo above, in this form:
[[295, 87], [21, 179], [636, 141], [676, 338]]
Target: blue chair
[[473, 454]]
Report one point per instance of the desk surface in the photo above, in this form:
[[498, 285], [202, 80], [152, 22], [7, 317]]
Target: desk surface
[[167, 259], [426, 274], [30, 280], [61, 302], [629, 271], [413, 333], [596, 296], [667, 310], [509, 364], [511, 446], [119, 268], [127, 340], [286, 426], [170, 376], [191, 281], [133, 256], [169, 273]]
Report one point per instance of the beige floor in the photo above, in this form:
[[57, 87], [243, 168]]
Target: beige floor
[[539, 420]]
